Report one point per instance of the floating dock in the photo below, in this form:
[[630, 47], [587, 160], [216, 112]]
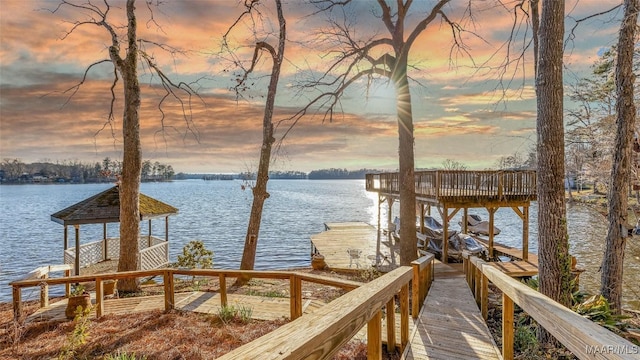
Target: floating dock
[[353, 245]]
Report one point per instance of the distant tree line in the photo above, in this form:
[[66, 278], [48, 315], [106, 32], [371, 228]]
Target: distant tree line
[[14, 171], [339, 174]]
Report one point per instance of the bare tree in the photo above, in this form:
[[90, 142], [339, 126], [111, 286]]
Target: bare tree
[[380, 56], [450, 164], [553, 238], [125, 67], [259, 189], [612, 265]]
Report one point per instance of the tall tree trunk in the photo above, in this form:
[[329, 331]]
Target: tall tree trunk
[[132, 158], [408, 245], [260, 193], [612, 265], [553, 242]]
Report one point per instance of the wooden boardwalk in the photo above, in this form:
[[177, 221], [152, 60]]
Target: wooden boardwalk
[[450, 325], [334, 244], [263, 308], [517, 267]]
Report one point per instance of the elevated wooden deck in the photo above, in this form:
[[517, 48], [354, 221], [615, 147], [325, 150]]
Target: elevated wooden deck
[[450, 325], [334, 244], [462, 188], [453, 190]]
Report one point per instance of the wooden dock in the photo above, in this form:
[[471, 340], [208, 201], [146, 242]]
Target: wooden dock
[[517, 267], [450, 325], [263, 308], [340, 239]]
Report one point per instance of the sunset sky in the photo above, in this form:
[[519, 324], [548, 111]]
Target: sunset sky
[[457, 111]]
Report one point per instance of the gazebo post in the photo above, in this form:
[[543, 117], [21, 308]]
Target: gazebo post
[[149, 239], [166, 228], [77, 260], [66, 238], [105, 248], [525, 233]]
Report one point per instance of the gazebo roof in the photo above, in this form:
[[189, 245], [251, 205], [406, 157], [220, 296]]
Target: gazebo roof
[[105, 208]]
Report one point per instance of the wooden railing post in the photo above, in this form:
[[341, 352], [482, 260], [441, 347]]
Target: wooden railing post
[[295, 290], [169, 296], [507, 327], [477, 284], [415, 291], [99, 297], [67, 286], [484, 296], [404, 316], [374, 337], [44, 292], [223, 290], [17, 303], [391, 324]]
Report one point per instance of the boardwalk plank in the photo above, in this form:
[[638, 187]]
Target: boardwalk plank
[[450, 325]]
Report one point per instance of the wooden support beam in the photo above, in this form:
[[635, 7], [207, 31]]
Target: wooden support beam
[[105, 246], [507, 327], [99, 297], [404, 317], [445, 234], [166, 228], [374, 337], [223, 290], [17, 303], [477, 285], [464, 220], [450, 216], [484, 296], [77, 260], [44, 292], [295, 291], [525, 233], [169, 295], [492, 211], [67, 286], [391, 324]]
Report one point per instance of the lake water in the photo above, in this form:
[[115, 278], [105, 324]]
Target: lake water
[[216, 212]]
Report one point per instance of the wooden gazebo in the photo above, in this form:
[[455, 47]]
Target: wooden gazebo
[[104, 208]]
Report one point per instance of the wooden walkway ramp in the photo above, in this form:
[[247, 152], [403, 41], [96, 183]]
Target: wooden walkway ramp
[[450, 325]]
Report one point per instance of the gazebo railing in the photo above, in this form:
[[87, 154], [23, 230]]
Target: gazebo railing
[[154, 256]]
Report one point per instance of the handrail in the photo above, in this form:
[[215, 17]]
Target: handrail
[[423, 273], [42, 273], [437, 184], [168, 275], [584, 338], [321, 334]]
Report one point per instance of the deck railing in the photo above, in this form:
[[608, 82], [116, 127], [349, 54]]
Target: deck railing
[[154, 252], [319, 334], [498, 184], [584, 338]]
